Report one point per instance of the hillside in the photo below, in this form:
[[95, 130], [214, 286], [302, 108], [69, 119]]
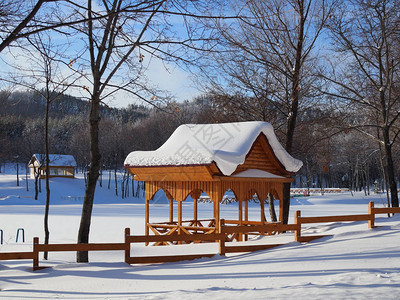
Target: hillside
[[31, 105]]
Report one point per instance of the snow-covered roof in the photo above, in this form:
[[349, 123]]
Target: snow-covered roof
[[226, 144], [56, 160]]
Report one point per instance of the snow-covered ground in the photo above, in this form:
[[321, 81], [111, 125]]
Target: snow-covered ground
[[353, 263]]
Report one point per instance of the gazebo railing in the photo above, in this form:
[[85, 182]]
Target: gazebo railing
[[244, 236], [205, 226], [188, 227]]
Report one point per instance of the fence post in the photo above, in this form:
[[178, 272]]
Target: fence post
[[127, 245], [371, 222], [35, 254], [297, 232], [222, 239]]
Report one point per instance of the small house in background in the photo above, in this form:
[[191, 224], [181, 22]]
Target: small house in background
[[60, 165]]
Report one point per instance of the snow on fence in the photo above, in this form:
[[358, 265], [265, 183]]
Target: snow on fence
[[221, 238]]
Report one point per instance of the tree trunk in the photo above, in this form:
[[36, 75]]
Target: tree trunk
[[17, 174], [115, 180], [390, 170], [294, 105], [26, 179], [383, 170], [101, 177], [285, 203], [272, 212], [93, 175], [37, 175], [47, 205]]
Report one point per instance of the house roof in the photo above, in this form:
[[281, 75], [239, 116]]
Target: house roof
[[226, 144], [56, 160]]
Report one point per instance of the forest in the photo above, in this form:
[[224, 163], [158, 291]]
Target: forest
[[344, 159]]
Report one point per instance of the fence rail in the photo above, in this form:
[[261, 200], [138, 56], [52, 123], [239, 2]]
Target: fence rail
[[222, 237], [16, 255], [345, 218], [386, 210]]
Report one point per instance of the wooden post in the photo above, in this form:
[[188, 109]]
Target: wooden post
[[371, 222], [179, 219], [217, 212], [240, 234], [179, 213], [195, 194], [222, 240], [195, 210], [297, 232], [35, 254], [127, 245], [147, 219], [171, 210], [262, 206], [246, 210], [272, 207], [246, 216], [281, 209], [262, 209]]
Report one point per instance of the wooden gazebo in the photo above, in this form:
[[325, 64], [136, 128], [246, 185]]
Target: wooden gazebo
[[244, 157]]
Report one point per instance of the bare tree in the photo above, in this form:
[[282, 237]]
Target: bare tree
[[268, 63], [366, 36], [43, 73], [54, 87], [118, 47], [21, 19], [14, 18]]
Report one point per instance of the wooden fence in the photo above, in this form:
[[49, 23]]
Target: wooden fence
[[222, 237]]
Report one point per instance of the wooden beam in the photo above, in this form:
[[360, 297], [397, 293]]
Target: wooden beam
[[16, 255], [386, 210], [326, 219], [172, 173], [171, 210], [262, 209], [260, 228], [246, 210], [281, 206], [195, 209], [179, 213], [195, 194], [170, 238], [81, 247], [179, 218], [217, 201], [240, 217], [147, 217]]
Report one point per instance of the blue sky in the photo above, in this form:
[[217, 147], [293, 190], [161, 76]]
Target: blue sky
[[174, 80]]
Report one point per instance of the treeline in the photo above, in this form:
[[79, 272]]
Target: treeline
[[333, 156], [123, 130]]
